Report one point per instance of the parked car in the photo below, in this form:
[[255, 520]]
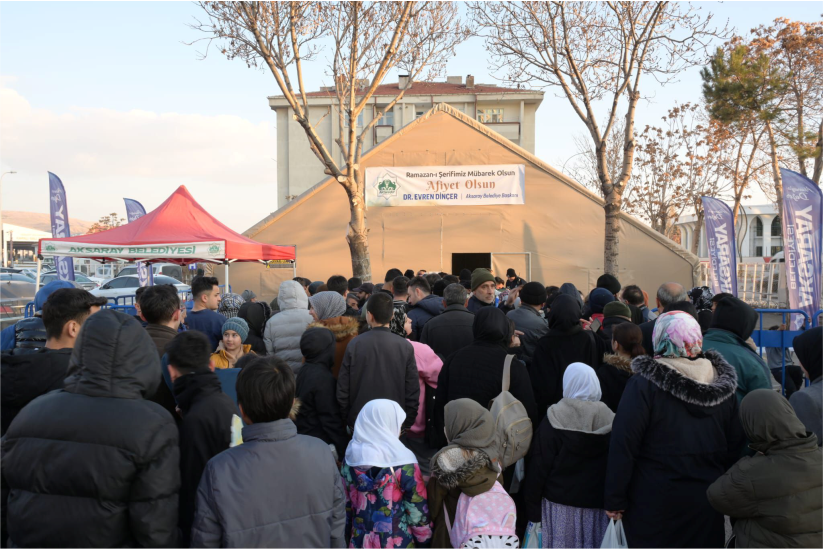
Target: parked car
[[85, 282], [126, 286], [167, 269]]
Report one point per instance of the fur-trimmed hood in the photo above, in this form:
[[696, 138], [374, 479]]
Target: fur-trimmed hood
[[686, 389], [470, 470], [621, 363], [341, 326]]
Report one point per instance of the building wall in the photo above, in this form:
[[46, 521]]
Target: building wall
[[298, 169], [747, 240], [561, 226]]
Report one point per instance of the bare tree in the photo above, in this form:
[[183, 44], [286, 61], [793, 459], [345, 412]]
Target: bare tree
[[369, 39], [796, 48], [596, 53]]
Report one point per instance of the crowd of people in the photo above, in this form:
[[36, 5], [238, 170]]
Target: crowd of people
[[429, 410]]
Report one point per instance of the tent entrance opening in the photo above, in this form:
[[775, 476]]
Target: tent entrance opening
[[470, 262]]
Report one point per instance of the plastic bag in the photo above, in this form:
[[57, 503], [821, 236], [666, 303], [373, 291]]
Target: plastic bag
[[519, 475], [615, 537], [534, 536]]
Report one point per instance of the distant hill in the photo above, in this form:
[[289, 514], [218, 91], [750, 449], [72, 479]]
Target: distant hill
[[42, 222]]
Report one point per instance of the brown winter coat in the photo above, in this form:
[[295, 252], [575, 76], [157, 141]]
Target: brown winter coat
[[456, 471], [344, 329]]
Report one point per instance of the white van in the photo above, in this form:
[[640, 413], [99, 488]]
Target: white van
[[165, 269]]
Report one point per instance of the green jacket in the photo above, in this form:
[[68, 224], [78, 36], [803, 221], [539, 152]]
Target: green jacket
[[752, 372], [776, 496]]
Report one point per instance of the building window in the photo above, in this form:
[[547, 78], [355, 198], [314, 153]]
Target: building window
[[387, 119], [489, 115], [419, 111], [757, 237], [777, 228], [777, 232], [359, 120]]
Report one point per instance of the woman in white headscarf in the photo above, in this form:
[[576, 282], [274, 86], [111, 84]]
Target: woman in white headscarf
[[386, 502], [567, 466]]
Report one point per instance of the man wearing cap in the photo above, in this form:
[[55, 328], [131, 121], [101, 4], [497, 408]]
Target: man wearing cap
[[483, 290], [29, 334], [512, 280], [249, 296], [529, 319], [614, 313]]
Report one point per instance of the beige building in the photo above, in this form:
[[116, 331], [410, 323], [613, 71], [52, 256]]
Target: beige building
[[556, 236], [508, 111]]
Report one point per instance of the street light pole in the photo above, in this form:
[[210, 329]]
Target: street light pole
[[3, 232]]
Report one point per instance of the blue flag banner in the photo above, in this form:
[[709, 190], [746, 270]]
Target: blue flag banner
[[60, 225], [721, 244], [802, 218], [135, 210]]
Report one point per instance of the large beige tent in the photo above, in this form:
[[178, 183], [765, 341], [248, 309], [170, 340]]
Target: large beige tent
[[556, 236]]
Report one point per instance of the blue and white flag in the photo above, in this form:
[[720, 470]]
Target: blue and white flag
[[722, 246], [135, 210], [60, 225], [802, 218]]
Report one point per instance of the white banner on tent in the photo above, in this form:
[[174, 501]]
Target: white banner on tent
[[183, 250], [446, 185]]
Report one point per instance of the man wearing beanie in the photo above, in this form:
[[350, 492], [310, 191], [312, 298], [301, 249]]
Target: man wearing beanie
[[609, 282], [614, 313], [512, 280], [529, 319], [732, 324], [483, 289], [232, 346]]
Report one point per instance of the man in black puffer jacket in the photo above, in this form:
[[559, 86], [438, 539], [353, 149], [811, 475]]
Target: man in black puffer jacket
[[94, 464], [26, 376]]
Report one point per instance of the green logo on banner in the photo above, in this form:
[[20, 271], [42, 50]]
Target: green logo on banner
[[214, 249], [50, 247], [387, 188]]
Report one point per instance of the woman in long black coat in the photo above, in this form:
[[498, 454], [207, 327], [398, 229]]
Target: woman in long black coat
[[565, 343], [676, 431]]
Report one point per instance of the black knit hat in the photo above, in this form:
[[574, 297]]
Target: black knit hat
[[609, 282], [533, 293]]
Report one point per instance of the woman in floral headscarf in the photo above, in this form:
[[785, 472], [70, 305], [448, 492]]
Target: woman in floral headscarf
[[676, 431]]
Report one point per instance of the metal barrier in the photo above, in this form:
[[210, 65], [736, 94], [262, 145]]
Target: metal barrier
[[127, 309], [223, 289], [29, 311], [781, 339]]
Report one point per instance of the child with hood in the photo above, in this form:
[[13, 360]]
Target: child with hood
[[319, 414], [386, 503], [775, 495], [567, 464], [233, 345], [468, 465], [255, 314]]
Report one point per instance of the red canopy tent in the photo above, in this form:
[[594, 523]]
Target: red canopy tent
[[178, 231]]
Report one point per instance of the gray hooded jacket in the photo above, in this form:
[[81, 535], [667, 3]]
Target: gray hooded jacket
[[284, 330]]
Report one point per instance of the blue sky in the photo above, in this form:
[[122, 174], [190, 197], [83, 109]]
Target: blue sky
[[108, 96]]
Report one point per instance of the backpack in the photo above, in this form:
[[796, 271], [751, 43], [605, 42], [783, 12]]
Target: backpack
[[491, 513], [512, 423]]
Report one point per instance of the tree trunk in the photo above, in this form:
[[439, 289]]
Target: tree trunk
[[698, 230], [611, 248], [778, 180], [818, 158], [358, 234]]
